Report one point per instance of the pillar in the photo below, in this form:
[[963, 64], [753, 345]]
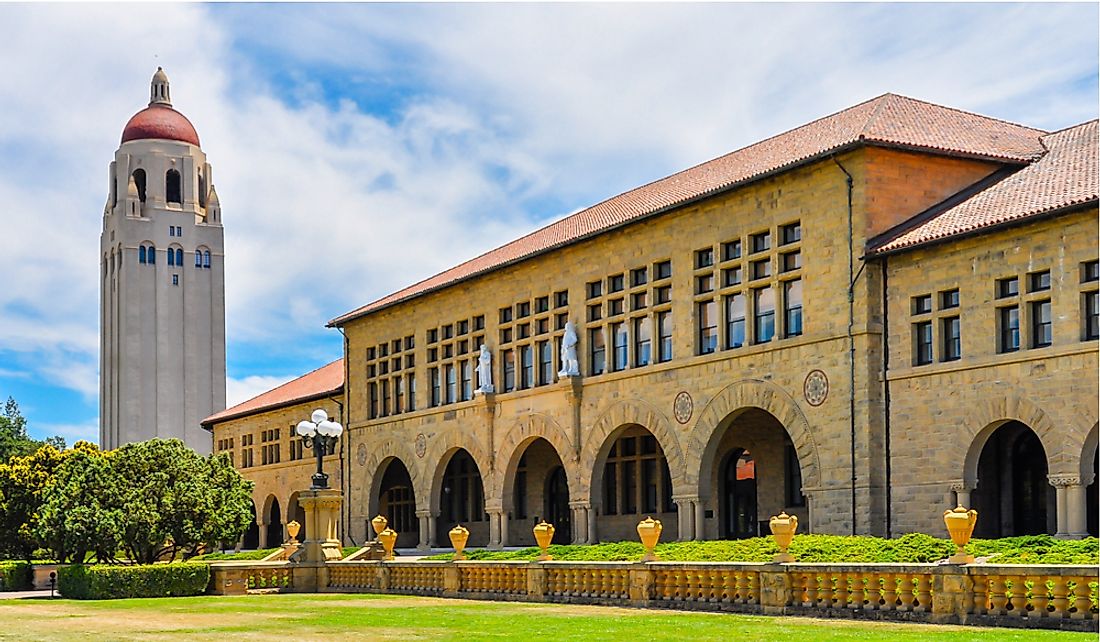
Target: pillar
[[263, 536], [581, 511], [700, 520], [322, 508], [503, 528], [427, 529], [593, 534], [962, 493], [687, 517], [1071, 506], [494, 528]]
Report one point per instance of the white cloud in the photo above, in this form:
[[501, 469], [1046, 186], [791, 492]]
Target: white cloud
[[86, 431], [245, 388]]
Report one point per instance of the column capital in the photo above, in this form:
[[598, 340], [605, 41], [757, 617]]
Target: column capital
[[580, 503], [680, 499], [962, 485], [1062, 481], [427, 513]]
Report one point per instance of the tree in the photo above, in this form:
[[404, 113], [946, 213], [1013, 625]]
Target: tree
[[79, 511], [173, 500], [14, 440], [23, 480]]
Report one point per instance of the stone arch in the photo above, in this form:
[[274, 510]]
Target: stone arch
[[525, 430], [264, 517], [988, 416], [1088, 452], [616, 417], [441, 447], [741, 395], [375, 465]]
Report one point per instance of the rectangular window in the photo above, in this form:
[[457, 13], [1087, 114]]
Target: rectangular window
[[373, 388], [542, 326], [385, 398], [463, 328], [1038, 281], [523, 309], [731, 276], [506, 335], [561, 299], [761, 269], [791, 233], [542, 304], [663, 294], [527, 367], [614, 307], [664, 336], [643, 339], [410, 383], [1090, 271], [791, 261], [735, 320], [763, 304], [615, 283], [595, 289], [638, 277], [596, 351], [433, 335], [506, 315], [649, 485], [508, 368], [630, 485], [792, 307], [433, 379], [638, 300], [1008, 287], [467, 379], [922, 304], [175, 279], [546, 363], [619, 336], [523, 330], [704, 283], [708, 327], [949, 299], [662, 270], [479, 322], [595, 312], [1008, 325], [731, 250], [1041, 335], [761, 242], [610, 489], [398, 395], [922, 343], [1092, 315], [704, 258], [952, 338]]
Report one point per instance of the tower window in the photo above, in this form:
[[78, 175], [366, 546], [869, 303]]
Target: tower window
[[206, 259], [198, 258], [179, 256], [172, 187], [152, 254], [175, 279], [141, 254], [139, 180], [171, 257]]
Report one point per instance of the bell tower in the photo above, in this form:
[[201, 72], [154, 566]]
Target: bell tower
[[162, 283]]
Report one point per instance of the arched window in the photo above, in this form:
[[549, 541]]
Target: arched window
[[173, 187], [141, 254], [152, 254], [179, 256], [198, 258], [206, 259], [139, 180], [171, 257], [202, 190]]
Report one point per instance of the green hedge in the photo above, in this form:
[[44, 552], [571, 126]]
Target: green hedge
[[15, 576], [113, 582], [254, 555], [913, 548]]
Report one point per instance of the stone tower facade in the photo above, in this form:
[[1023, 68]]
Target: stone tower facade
[[162, 301]]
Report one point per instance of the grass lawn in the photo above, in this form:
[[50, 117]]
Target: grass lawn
[[337, 617]]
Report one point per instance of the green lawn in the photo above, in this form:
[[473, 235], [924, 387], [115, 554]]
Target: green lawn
[[372, 617]]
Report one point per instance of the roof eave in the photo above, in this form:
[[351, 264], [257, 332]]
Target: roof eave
[[209, 424]]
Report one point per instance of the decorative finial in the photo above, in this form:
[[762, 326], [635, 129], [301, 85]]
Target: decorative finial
[[159, 93]]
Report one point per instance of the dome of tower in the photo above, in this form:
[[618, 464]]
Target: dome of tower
[[159, 119]]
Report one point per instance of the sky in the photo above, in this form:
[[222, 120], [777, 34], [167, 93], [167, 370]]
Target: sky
[[360, 148]]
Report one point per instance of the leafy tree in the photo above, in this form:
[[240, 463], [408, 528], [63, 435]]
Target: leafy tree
[[80, 511], [14, 439], [23, 480]]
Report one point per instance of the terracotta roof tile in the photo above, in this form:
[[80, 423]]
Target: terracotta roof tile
[[1064, 177], [324, 380], [887, 120]]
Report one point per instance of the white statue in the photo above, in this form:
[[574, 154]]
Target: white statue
[[570, 367], [485, 370]]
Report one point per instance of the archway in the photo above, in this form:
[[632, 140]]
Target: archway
[[632, 481], [738, 507], [462, 500], [539, 490], [1090, 470], [296, 512], [397, 502], [273, 517], [1013, 496], [251, 539]]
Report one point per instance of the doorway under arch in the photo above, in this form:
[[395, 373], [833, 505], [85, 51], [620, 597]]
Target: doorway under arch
[[397, 503], [274, 531], [1013, 496], [462, 501], [738, 509]]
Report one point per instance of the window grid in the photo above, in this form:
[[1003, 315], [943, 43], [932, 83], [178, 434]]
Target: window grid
[[530, 342], [624, 312], [388, 363], [451, 356]]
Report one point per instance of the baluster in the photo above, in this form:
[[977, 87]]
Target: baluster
[[997, 597], [754, 588], [841, 592], [1040, 599], [905, 592], [1017, 596], [812, 593], [729, 586], [1081, 602], [924, 593], [857, 591], [871, 592]]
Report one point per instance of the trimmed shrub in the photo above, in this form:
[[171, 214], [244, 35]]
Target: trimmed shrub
[[113, 582], [15, 576]]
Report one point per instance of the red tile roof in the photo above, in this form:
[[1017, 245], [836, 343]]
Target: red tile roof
[[889, 120], [1065, 177], [323, 381]]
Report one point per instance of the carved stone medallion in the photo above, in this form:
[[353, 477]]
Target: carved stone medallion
[[361, 454], [682, 407], [816, 388], [421, 445]]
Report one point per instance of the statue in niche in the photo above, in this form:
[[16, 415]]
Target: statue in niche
[[485, 370], [570, 367]]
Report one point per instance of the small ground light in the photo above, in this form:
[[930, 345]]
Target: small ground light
[[53, 583]]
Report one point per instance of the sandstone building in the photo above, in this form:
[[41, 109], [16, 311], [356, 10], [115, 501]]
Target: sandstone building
[[861, 321], [162, 292]]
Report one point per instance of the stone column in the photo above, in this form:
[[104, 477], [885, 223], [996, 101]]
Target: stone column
[[322, 508], [1072, 509], [424, 518], [503, 528], [686, 515], [700, 520], [580, 511], [593, 534], [494, 528], [962, 493], [263, 536]]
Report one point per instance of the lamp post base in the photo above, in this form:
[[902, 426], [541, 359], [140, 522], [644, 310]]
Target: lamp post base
[[322, 508]]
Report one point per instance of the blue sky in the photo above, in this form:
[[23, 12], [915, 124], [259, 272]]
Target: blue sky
[[359, 148]]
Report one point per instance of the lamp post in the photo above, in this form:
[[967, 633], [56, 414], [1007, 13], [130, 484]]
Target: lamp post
[[320, 434]]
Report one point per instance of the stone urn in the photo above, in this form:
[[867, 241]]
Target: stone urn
[[458, 536], [544, 534], [379, 524], [649, 530], [388, 537], [960, 524], [292, 529], [783, 527]]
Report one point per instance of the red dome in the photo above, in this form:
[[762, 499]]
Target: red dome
[[160, 121]]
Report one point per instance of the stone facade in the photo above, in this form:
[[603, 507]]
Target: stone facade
[[828, 419]]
